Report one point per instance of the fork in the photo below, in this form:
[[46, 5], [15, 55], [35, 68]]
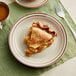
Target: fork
[[60, 13]]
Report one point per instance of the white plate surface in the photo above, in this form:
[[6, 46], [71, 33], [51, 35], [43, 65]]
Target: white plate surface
[[46, 57], [32, 4]]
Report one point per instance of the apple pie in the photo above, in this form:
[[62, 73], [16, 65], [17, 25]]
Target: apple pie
[[40, 36]]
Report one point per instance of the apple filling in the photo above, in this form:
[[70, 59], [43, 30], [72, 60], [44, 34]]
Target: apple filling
[[39, 37]]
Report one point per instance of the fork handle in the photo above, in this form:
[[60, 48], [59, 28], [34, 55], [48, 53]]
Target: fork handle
[[72, 30]]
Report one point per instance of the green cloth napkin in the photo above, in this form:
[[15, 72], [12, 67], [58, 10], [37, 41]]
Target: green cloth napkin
[[9, 66]]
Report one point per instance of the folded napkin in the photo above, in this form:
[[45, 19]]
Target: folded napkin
[[70, 6]]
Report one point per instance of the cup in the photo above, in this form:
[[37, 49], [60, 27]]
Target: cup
[[4, 12]]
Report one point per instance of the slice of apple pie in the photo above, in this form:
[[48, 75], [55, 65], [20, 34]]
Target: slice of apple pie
[[39, 37]]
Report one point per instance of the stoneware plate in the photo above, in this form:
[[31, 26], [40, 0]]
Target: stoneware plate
[[31, 4], [48, 56]]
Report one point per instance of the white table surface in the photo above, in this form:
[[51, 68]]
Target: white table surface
[[66, 69], [69, 67], [7, 1], [70, 6]]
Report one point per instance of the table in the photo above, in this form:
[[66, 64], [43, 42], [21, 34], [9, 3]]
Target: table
[[62, 69]]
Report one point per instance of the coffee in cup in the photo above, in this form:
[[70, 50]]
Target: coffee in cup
[[4, 11]]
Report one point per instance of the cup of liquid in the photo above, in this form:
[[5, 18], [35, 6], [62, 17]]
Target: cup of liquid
[[4, 12]]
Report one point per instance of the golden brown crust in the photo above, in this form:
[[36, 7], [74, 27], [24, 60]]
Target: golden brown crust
[[39, 37]]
